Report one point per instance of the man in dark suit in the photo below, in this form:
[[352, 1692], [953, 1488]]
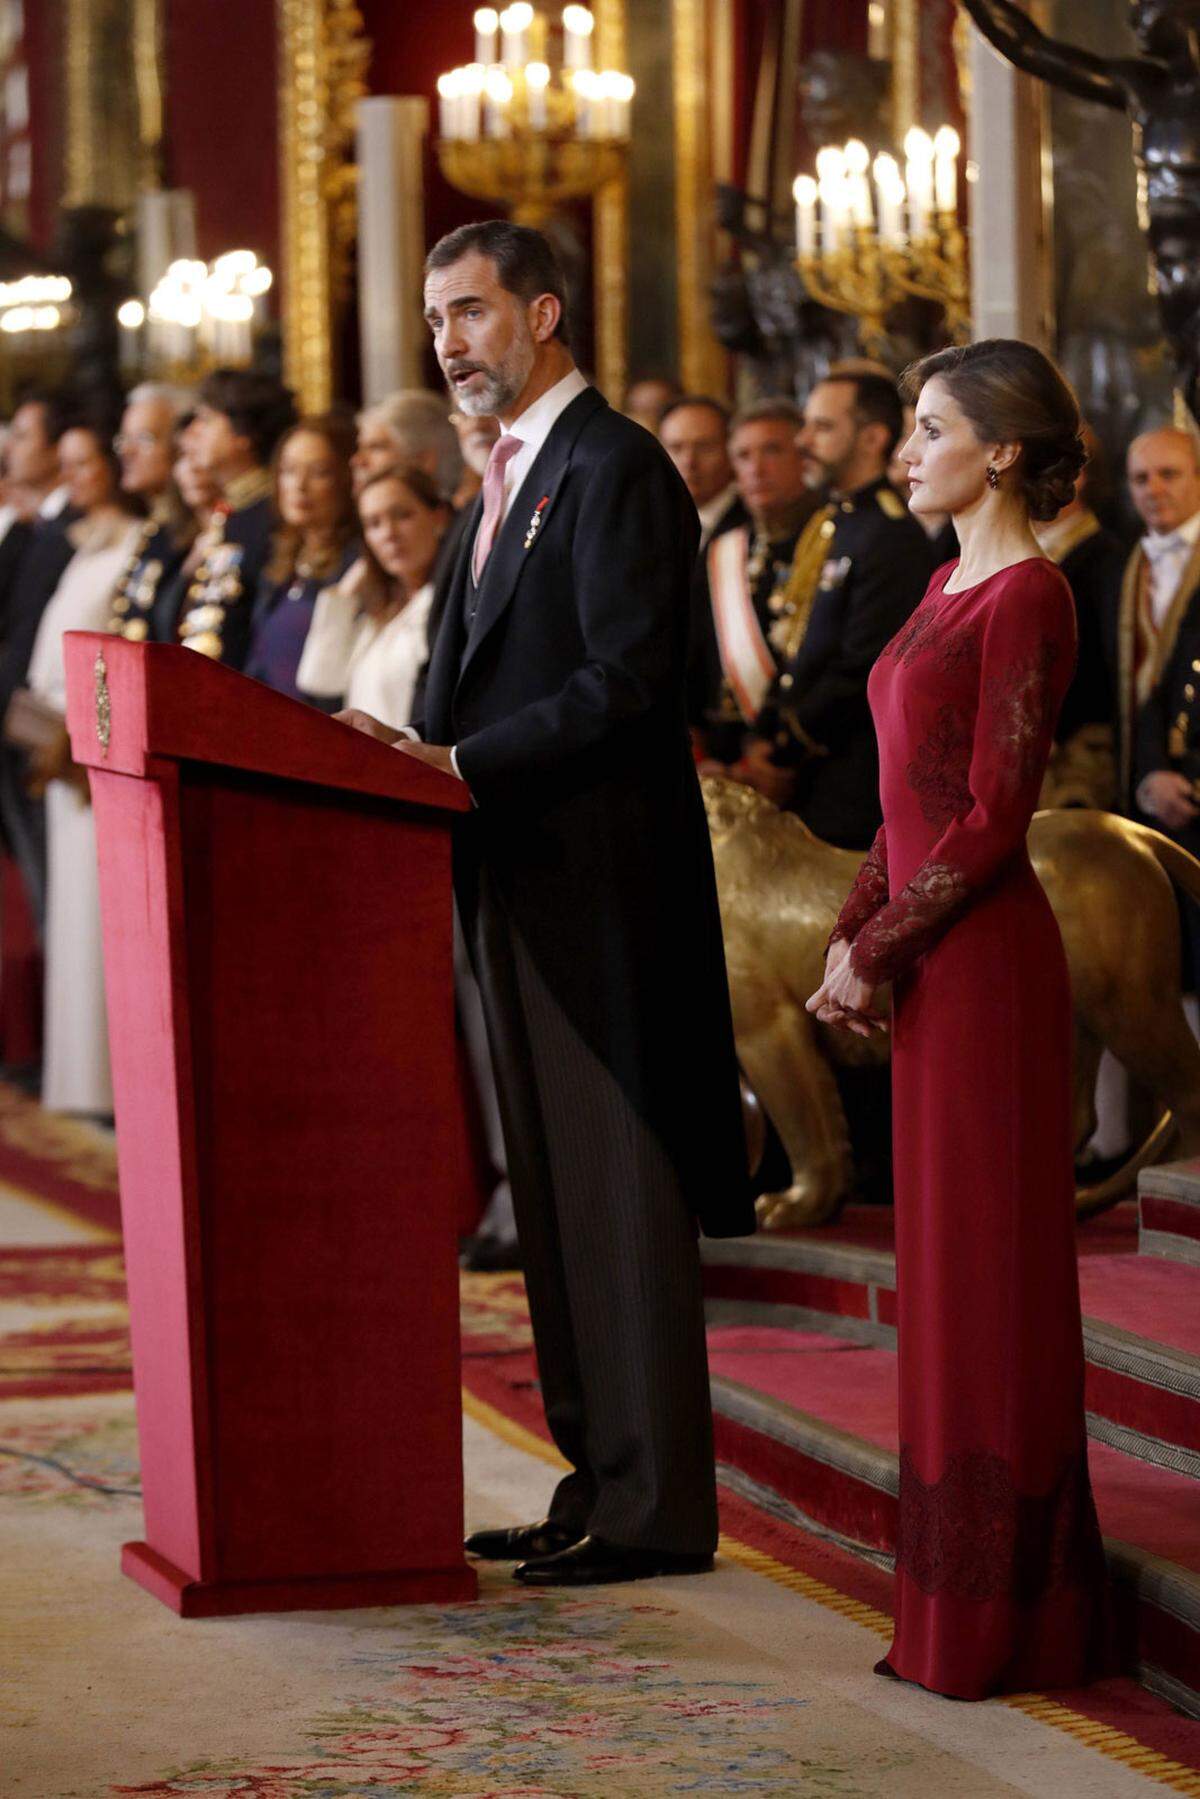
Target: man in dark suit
[[585, 886], [860, 567]]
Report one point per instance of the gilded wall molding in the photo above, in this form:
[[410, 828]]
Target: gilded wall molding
[[611, 231], [703, 365], [904, 30], [322, 57]]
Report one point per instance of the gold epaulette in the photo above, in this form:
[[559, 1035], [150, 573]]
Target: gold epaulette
[[890, 503]]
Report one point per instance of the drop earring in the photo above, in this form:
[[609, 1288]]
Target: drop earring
[[993, 477]]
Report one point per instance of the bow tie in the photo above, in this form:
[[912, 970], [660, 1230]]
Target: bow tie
[[1157, 548]]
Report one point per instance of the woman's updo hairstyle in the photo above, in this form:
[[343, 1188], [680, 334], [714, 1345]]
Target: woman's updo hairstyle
[[1011, 393]]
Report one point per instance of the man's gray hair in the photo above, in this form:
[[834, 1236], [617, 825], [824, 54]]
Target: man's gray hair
[[419, 421], [181, 400], [775, 410]]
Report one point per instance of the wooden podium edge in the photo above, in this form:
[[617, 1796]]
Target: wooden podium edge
[[321, 1593]]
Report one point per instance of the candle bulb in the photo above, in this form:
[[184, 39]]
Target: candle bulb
[[487, 23], [473, 80], [621, 90], [856, 159], [448, 91], [583, 86], [537, 80], [498, 92], [889, 198], [578, 26], [514, 24], [918, 149], [946, 147], [804, 192]]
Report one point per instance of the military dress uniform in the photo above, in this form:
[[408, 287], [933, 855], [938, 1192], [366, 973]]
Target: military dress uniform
[[136, 610], [723, 692], [218, 606], [860, 568]]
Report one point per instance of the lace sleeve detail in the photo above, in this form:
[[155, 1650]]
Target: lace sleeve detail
[[1027, 659], [869, 892]]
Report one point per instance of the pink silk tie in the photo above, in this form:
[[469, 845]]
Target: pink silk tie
[[503, 451]]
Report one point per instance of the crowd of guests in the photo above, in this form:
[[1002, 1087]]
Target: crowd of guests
[[314, 554]]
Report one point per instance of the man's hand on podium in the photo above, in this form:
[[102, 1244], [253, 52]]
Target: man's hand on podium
[[373, 727], [435, 754]]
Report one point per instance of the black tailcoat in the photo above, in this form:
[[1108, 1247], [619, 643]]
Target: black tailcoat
[[561, 682]]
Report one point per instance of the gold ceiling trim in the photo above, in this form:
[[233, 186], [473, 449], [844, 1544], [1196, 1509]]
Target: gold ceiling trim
[[904, 26]]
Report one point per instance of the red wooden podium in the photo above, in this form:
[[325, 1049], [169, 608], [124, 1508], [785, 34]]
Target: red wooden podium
[[275, 891]]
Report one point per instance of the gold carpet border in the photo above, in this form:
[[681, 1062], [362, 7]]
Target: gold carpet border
[[1115, 1745]]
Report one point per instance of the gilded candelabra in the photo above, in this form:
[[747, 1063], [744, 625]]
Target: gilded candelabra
[[862, 252], [524, 134]]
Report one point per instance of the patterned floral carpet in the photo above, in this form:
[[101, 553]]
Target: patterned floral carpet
[[753, 1680]]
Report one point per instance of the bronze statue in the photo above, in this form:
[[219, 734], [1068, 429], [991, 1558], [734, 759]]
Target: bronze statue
[[1109, 881], [1160, 91]]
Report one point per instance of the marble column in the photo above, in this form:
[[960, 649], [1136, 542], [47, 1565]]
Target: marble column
[[1011, 200], [391, 243]]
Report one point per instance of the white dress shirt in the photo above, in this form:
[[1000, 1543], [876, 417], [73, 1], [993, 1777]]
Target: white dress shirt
[[1168, 553], [533, 427], [54, 503], [714, 510]]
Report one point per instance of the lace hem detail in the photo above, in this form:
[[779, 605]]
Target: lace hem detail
[[974, 1535]]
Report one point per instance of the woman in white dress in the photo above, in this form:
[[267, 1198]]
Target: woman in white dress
[[370, 636], [75, 1075]]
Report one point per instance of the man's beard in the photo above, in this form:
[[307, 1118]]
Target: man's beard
[[500, 386]]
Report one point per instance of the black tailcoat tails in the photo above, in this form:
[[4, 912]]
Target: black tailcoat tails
[[585, 883]]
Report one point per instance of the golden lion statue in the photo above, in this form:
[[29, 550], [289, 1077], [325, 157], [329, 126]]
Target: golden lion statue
[[1109, 882]]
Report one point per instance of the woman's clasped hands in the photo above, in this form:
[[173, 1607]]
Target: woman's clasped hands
[[845, 999]]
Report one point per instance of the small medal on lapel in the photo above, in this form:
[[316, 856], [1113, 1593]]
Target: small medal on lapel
[[535, 523]]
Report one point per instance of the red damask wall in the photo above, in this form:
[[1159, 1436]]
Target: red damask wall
[[220, 69]]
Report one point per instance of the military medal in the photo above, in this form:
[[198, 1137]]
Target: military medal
[[535, 523]]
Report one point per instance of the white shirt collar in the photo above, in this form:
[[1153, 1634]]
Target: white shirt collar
[[54, 503], [535, 424], [714, 510], [1189, 531]]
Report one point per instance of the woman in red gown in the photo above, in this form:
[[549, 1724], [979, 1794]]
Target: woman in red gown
[[1000, 1582]]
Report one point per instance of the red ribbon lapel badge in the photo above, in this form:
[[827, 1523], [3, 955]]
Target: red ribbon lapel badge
[[535, 523]]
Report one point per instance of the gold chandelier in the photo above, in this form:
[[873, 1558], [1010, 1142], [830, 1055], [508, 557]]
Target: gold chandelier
[[531, 123], [863, 244]]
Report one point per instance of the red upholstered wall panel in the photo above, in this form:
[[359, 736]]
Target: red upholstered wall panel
[[221, 122]]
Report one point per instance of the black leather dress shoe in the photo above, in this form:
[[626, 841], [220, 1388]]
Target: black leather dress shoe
[[594, 1563], [522, 1541]]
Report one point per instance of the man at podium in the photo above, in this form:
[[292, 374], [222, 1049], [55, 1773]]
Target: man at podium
[[585, 885]]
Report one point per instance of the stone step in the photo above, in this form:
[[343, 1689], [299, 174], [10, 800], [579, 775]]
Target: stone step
[[1143, 1393], [814, 1473], [1169, 1212]]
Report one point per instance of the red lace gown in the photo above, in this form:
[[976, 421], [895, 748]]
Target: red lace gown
[[1000, 1583]]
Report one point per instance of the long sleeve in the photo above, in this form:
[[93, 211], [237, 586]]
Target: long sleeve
[[1025, 666], [868, 894]]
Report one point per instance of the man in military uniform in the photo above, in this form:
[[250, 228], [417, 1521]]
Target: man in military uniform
[[732, 661], [145, 446], [240, 417], [859, 569]]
